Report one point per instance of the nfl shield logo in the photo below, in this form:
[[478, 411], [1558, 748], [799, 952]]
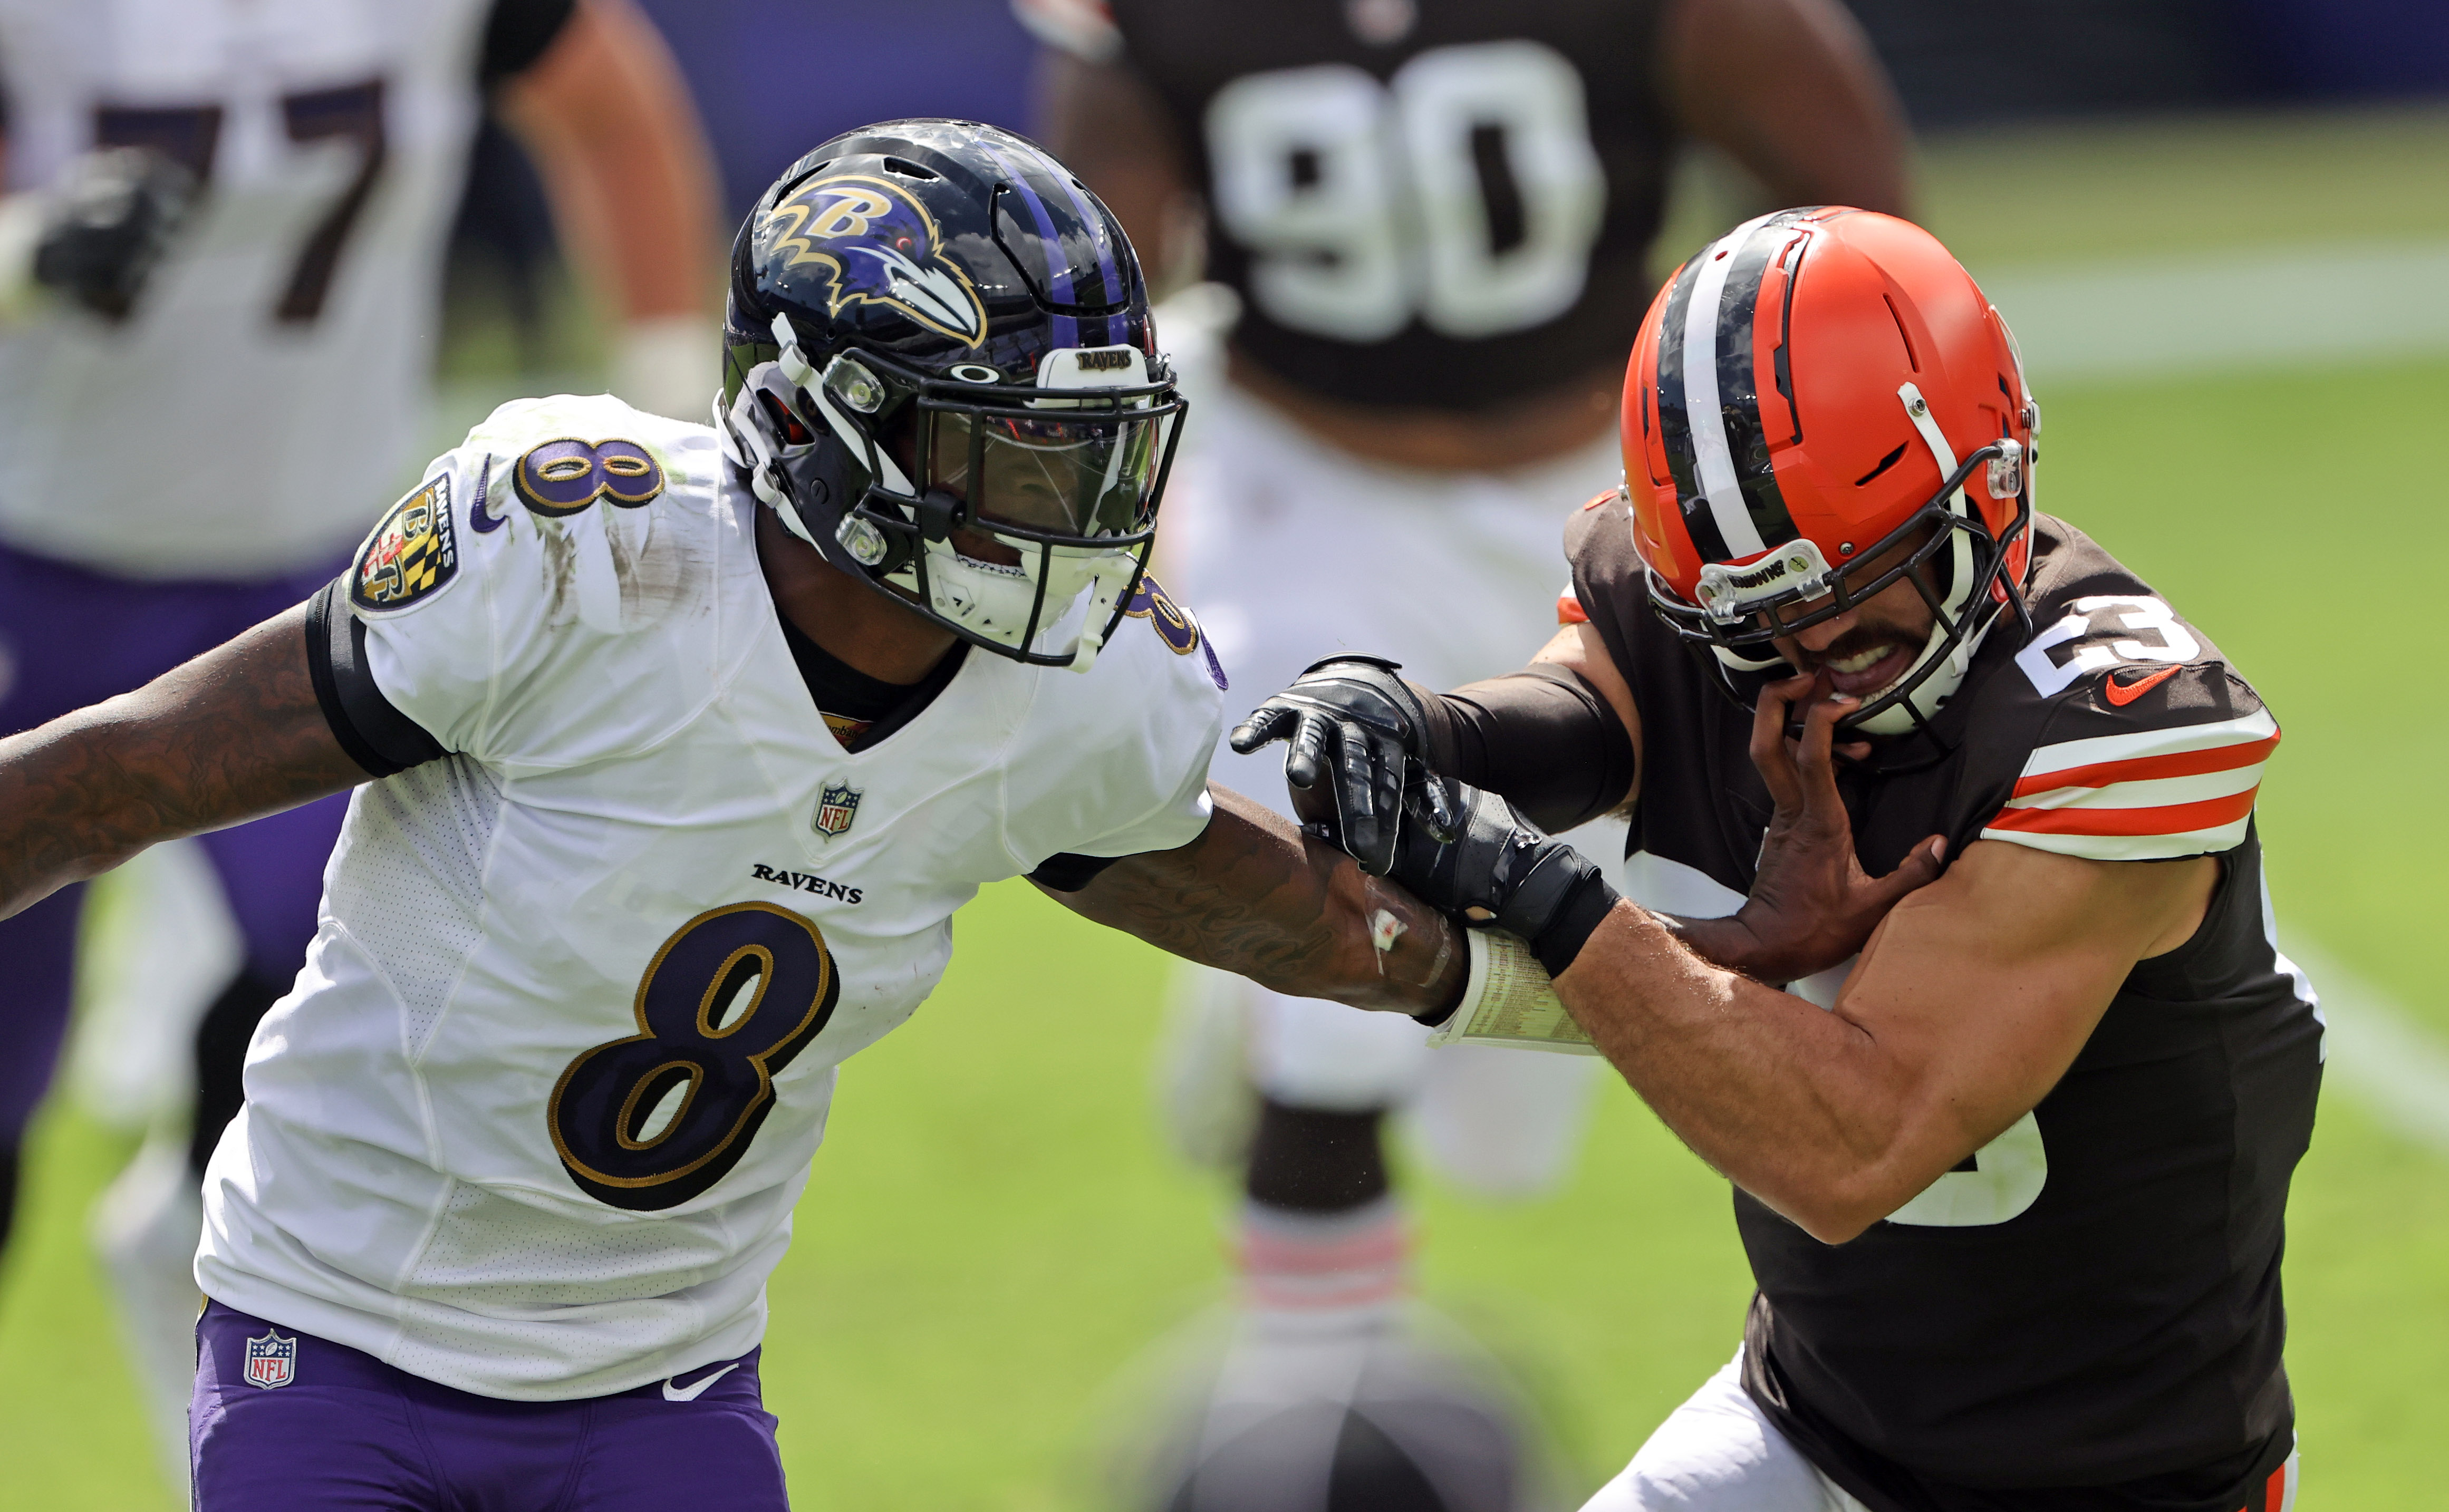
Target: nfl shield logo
[[271, 1360], [835, 807]]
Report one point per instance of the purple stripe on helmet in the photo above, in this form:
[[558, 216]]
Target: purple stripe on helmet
[[1108, 270], [1058, 265]]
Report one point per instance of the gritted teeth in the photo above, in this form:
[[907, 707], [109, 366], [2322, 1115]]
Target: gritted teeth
[[1861, 661]]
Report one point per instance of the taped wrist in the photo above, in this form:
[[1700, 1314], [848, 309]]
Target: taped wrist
[[1557, 905], [1544, 737], [1574, 923]]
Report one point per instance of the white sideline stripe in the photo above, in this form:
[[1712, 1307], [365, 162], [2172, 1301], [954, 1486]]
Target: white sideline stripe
[[2186, 312], [2173, 740], [2392, 1062], [2153, 793]]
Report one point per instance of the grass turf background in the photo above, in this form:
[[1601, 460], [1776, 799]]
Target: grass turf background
[[992, 1230]]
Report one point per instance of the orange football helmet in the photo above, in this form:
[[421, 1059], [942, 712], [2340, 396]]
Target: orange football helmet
[[1816, 388]]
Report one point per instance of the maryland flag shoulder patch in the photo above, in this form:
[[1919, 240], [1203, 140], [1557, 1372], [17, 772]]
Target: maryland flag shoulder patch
[[412, 555]]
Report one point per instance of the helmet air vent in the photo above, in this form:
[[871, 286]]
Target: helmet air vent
[[905, 168], [1885, 463], [1912, 359]]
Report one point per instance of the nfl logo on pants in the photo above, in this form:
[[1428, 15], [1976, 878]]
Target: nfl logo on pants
[[271, 1360]]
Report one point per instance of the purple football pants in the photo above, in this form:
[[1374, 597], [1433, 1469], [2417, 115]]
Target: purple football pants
[[341, 1431], [69, 638]]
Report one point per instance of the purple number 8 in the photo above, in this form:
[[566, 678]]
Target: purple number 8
[[564, 477]]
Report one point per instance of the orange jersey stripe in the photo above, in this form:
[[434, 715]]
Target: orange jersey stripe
[[2144, 769], [2174, 819], [1569, 610]]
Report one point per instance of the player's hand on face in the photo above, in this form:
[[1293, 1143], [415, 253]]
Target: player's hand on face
[[1356, 757], [1812, 906]]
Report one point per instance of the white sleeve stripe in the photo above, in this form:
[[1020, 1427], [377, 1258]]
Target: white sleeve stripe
[[2130, 846], [2168, 740], [2147, 793]]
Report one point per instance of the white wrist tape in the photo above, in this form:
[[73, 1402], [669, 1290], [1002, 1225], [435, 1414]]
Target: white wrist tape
[[1508, 1000]]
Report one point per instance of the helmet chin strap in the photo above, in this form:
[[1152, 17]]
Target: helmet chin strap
[[1111, 575], [1936, 688]]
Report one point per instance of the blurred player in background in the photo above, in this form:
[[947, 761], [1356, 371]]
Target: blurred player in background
[[228, 220], [1436, 214]]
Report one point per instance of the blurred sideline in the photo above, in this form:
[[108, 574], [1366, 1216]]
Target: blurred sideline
[[2229, 310], [2378, 1053]]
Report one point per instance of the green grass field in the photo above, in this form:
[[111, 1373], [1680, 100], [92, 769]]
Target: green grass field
[[993, 1231]]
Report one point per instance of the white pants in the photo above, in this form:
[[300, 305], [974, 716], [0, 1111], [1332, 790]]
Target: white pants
[[1289, 551], [1719, 1452]]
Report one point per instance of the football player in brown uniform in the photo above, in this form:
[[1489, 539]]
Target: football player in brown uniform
[[2012, 1181], [1437, 220]]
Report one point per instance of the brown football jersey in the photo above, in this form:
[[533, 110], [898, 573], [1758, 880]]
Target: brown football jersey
[[2085, 1314], [1443, 205]]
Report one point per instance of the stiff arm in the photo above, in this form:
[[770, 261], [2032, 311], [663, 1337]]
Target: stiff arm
[[1972, 999], [1253, 896], [232, 736]]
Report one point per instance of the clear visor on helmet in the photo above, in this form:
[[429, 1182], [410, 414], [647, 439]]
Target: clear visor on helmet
[[1048, 475]]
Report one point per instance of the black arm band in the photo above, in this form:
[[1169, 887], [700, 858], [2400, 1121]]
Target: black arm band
[[377, 736], [1544, 737], [1066, 872]]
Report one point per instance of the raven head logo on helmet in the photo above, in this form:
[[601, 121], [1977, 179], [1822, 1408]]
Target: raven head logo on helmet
[[939, 369], [1821, 405], [876, 246]]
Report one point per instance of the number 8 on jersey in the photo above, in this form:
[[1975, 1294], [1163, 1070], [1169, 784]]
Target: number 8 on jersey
[[730, 998]]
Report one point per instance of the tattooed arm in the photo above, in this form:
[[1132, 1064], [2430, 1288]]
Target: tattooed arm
[[1252, 895], [232, 736]]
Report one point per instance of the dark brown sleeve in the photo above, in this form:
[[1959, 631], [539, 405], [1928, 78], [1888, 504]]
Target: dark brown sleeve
[[1610, 582], [1544, 737]]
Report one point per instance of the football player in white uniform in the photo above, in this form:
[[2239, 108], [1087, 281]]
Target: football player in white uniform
[[685, 743], [239, 210]]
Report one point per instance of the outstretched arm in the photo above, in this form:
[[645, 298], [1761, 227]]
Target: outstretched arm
[[232, 736], [1367, 751], [1254, 896], [1972, 1000]]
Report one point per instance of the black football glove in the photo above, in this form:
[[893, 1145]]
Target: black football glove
[[1499, 870], [1354, 718], [113, 214]]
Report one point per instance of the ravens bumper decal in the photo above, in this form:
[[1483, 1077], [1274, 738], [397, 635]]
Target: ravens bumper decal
[[412, 555]]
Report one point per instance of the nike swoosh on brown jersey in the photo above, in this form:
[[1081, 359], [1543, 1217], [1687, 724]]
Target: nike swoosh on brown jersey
[[2122, 694]]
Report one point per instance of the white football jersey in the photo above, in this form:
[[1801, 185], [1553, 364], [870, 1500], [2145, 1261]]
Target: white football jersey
[[274, 372], [533, 1120]]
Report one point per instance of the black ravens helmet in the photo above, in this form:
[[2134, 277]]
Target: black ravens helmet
[[939, 369]]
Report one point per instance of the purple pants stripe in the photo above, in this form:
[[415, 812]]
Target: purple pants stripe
[[69, 638], [283, 1419]]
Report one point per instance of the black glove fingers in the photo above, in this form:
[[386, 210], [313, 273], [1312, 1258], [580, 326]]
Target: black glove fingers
[[1269, 721], [1311, 733]]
